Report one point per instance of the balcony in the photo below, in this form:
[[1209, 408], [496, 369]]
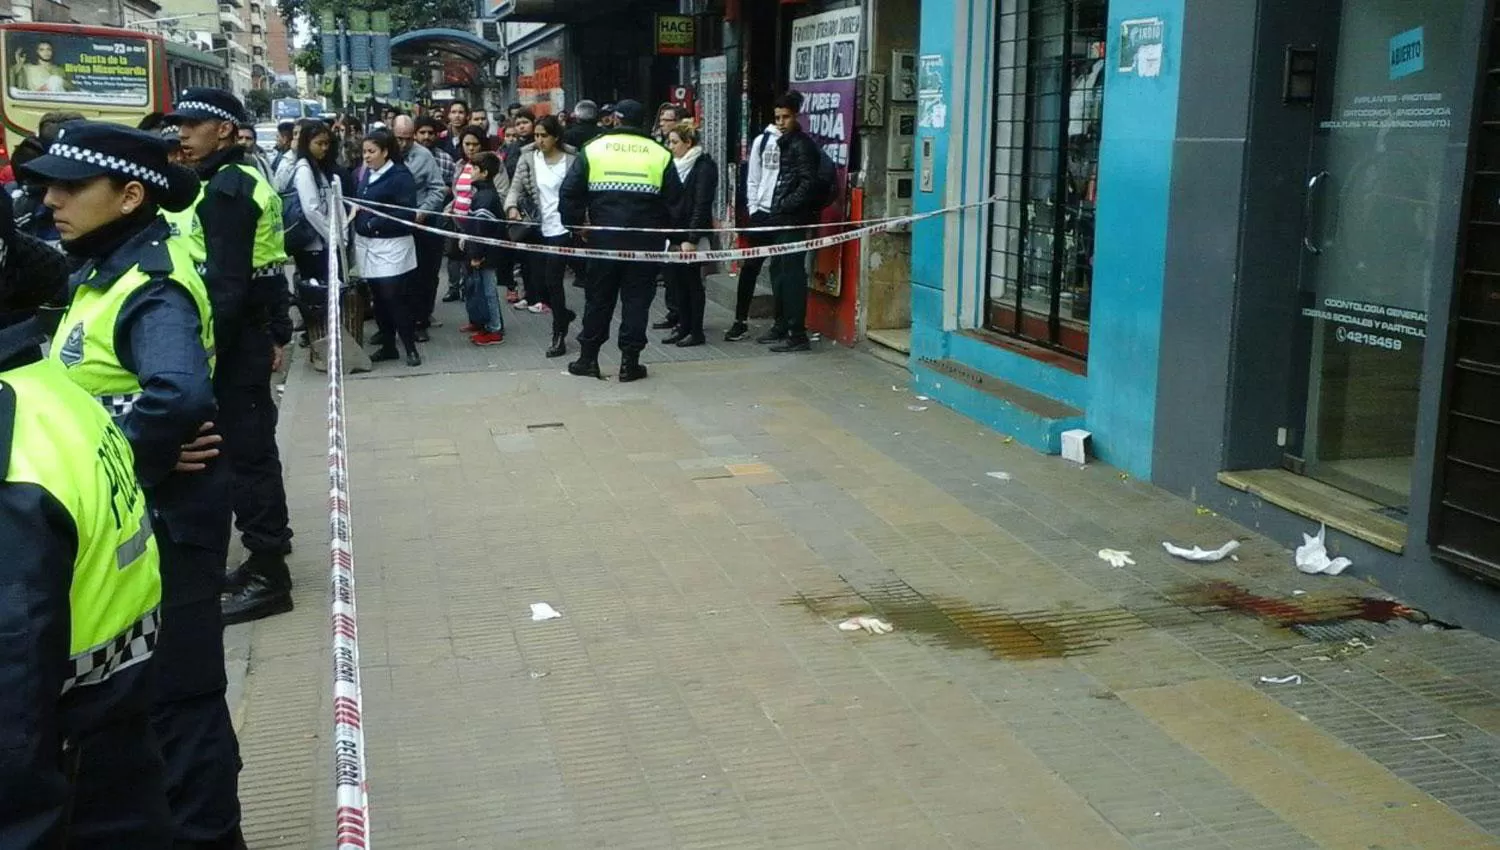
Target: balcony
[[229, 18]]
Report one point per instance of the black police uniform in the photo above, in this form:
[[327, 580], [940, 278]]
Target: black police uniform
[[77, 765], [598, 200], [158, 338], [250, 314]]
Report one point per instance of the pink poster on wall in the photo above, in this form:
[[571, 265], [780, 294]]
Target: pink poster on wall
[[825, 70]]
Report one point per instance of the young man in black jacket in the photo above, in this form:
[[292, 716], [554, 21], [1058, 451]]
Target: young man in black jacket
[[795, 202]]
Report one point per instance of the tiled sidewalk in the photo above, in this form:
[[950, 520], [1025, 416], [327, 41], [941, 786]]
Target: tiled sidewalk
[[703, 531]]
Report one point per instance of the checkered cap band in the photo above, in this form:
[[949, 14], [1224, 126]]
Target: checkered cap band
[[201, 106], [119, 405], [126, 649], [109, 162], [613, 186]]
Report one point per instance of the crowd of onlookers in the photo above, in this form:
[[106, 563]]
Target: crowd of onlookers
[[464, 177], [468, 179]]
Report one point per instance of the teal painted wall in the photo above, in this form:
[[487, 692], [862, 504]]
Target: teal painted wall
[[1130, 242]]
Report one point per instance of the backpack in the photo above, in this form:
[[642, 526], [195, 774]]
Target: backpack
[[826, 192]]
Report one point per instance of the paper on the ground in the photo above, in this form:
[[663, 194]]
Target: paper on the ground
[[1116, 558], [1293, 679], [873, 625], [1198, 553], [542, 611], [1312, 556], [999, 476]]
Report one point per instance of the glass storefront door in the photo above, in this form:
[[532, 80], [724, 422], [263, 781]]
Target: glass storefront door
[[1370, 257]]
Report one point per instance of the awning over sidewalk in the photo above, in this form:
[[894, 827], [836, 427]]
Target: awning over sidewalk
[[550, 11], [420, 44]]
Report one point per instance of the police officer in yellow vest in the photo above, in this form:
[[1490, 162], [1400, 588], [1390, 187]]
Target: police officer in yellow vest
[[138, 336], [622, 178], [80, 592], [235, 232]]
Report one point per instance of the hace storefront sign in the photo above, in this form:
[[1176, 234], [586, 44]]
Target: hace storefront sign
[[675, 35]]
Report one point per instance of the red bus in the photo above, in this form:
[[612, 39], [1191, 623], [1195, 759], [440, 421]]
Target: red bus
[[105, 73]]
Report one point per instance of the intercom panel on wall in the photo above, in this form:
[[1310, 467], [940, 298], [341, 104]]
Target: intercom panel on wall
[[898, 196], [901, 134], [903, 76]]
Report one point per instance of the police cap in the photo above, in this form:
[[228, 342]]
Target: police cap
[[631, 113], [206, 104], [84, 150]]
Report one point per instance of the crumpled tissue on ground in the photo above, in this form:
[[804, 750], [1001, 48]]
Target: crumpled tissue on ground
[[1198, 553], [1312, 556], [542, 611], [873, 625], [1116, 558]]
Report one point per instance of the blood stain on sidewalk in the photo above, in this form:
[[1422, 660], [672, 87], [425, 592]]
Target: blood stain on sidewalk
[[959, 624], [1310, 616]]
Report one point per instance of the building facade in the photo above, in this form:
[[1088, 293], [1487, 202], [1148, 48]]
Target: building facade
[[212, 26], [278, 44], [1249, 247]]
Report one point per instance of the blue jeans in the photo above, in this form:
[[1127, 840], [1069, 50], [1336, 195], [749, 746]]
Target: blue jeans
[[482, 300]]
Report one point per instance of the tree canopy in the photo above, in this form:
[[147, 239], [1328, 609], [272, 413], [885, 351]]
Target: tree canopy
[[258, 101]]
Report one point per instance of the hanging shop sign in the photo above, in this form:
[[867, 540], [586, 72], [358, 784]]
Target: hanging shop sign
[[675, 35]]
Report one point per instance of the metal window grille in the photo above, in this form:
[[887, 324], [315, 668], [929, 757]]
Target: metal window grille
[[1049, 101]]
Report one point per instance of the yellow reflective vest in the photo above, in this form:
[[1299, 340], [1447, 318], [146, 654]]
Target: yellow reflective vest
[[64, 443], [269, 254], [85, 340]]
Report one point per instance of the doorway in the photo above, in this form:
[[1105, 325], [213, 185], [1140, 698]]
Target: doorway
[[1385, 84]]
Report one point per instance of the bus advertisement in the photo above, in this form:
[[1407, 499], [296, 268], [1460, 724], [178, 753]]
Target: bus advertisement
[[104, 73]]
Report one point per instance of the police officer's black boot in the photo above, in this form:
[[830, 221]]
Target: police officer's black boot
[[559, 345], [630, 367], [265, 589], [587, 364]]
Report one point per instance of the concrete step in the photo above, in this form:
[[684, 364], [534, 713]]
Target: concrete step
[[1033, 419]]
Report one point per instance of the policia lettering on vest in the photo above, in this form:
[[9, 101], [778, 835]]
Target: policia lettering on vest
[[620, 179], [80, 593], [246, 280], [138, 336]]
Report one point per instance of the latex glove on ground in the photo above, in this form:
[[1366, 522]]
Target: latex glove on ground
[[873, 625], [1115, 558], [1312, 556], [1198, 553]]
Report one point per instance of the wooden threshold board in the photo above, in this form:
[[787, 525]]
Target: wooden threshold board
[[1331, 506]]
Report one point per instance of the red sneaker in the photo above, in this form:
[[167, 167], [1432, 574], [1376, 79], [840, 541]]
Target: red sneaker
[[470, 328], [512, 296], [487, 338]]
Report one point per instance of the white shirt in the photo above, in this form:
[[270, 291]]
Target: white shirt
[[381, 258], [763, 169], [312, 193], [549, 180]]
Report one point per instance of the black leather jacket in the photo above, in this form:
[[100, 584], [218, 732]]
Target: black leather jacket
[[796, 183]]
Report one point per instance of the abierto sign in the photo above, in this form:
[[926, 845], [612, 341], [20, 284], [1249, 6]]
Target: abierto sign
[[675, 35]]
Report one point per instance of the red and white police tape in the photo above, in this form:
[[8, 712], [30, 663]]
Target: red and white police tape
[[352, 793], [759, 228], [686, 257]]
